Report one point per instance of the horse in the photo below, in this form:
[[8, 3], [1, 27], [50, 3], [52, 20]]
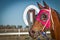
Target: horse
[[53, 23]]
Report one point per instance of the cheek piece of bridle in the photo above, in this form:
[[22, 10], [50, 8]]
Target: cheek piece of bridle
[[46, 24]]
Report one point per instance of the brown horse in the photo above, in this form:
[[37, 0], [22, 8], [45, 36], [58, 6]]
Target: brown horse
[[54, 21]]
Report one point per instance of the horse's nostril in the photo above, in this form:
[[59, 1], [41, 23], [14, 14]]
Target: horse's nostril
[[33, 31]]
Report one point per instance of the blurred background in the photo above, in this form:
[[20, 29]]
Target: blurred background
[[11, 11]]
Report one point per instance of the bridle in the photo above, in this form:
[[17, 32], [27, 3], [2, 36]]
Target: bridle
[[51, 20], [50, 16], [39, 32]]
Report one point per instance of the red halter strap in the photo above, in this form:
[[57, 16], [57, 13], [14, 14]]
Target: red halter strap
[[44, 22]]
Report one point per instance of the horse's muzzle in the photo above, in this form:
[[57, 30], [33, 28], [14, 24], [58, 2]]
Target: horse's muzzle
[[34, 34]]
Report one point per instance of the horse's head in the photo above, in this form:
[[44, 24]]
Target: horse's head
[[42, 20]]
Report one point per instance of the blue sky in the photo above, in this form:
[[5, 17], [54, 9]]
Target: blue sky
[[11, 11]]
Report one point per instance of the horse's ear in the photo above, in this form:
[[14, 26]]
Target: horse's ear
[[40, 6], [45, 4]]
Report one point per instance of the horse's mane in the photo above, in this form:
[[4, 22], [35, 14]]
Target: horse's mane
[[58, 15]]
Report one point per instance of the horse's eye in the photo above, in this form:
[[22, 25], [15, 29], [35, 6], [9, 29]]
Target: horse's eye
[[43, 16]]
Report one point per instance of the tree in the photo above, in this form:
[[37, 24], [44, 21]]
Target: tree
[[27, 26], [19, 26]]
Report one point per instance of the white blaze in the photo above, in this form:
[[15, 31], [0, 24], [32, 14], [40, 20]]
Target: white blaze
[[31, 17], [25, 13]]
